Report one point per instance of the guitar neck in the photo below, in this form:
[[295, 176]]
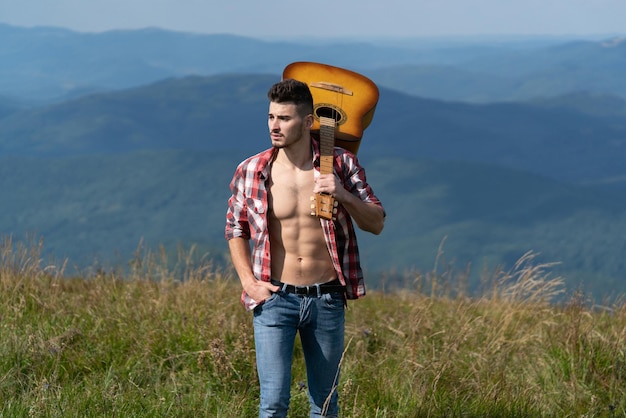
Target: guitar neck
[[327, 144], [324, 205]]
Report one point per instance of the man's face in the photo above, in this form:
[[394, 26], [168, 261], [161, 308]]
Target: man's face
[[286, 125]]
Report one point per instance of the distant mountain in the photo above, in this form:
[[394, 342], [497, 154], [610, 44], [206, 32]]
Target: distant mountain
[[228, 112], [108, 140], [191, 113], [603, 105], [48, 62], [96, 210], [445, 82], [561, 143], [516, 75], [43, 63], [99, 210], [8, 106], [487, 215], [590, 59]]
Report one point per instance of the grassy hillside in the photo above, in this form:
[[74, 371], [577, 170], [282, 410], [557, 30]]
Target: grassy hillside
[[175, 342]]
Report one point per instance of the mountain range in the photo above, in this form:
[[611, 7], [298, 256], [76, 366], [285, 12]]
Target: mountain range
[[47, 63], [115, 139]]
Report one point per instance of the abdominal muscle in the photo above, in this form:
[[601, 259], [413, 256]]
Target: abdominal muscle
[[301, 258], [299, 254]]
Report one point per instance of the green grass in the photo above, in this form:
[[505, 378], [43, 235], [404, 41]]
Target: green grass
[[172, 340]]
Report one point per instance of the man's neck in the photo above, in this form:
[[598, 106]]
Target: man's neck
[[298, 155]]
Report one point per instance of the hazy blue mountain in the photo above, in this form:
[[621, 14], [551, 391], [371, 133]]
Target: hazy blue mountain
[[112, 139], [8, 106], [487, 215], [60, 61], [445, 82], [516, 75], [205, 113], [572, 57], [190, 113], [561, 143], [603, 105], [50, 63], [97, 210]]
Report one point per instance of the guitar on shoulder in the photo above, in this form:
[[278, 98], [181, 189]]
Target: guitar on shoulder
[[343, 106]]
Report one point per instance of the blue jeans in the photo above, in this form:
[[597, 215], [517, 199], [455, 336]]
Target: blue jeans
[[320, 322]]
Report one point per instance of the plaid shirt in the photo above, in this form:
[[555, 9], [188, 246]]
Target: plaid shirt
[[247, 217]]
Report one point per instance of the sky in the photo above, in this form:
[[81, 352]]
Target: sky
[[278, 19]]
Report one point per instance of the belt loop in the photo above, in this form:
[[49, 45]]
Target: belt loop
[[319, 290], [283, 288]]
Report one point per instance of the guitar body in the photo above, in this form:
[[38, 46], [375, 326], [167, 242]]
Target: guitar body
[[343, 95], [343, 106]]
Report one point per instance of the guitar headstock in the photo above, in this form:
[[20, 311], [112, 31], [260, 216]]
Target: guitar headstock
[[324, 206]]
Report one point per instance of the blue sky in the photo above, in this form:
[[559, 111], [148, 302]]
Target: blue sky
[[328, 19]]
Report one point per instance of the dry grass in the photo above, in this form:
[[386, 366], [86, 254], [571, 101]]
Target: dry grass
[[173, 340]]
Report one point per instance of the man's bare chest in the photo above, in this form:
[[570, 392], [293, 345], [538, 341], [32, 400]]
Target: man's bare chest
[[289, 193]]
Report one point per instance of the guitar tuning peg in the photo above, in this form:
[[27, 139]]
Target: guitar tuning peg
[[335, 203], [312, 197], [334, 212]]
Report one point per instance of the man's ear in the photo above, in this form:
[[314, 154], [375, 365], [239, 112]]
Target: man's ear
[[309, 121]]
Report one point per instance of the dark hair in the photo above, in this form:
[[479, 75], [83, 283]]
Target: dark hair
[[292, 91]]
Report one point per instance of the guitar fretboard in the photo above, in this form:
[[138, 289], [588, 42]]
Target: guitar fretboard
[[327, 144]]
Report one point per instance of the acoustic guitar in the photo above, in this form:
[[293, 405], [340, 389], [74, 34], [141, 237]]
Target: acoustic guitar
[[343, 106]]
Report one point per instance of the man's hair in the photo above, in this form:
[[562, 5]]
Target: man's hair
[[292, 91]]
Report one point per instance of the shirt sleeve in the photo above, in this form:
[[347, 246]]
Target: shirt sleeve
[[237, 215], [356, 180]]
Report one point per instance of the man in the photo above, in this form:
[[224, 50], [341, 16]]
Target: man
[[301, 269]]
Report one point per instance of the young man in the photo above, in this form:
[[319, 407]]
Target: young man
[[301, 269]]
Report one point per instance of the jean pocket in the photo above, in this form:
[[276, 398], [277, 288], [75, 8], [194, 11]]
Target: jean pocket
[[267, 302], [334, 300]]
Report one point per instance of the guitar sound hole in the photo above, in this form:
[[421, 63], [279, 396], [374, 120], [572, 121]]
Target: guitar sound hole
[[329, 112]]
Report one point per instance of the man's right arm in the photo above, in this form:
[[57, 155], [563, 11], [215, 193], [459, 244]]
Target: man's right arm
[[242, 262]]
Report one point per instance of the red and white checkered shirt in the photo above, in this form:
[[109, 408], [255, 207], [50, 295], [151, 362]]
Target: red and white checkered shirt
[[247, 217]]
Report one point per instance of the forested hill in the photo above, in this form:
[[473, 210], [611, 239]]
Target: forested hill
[[206, 113], [481, 150], [97, 175]]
